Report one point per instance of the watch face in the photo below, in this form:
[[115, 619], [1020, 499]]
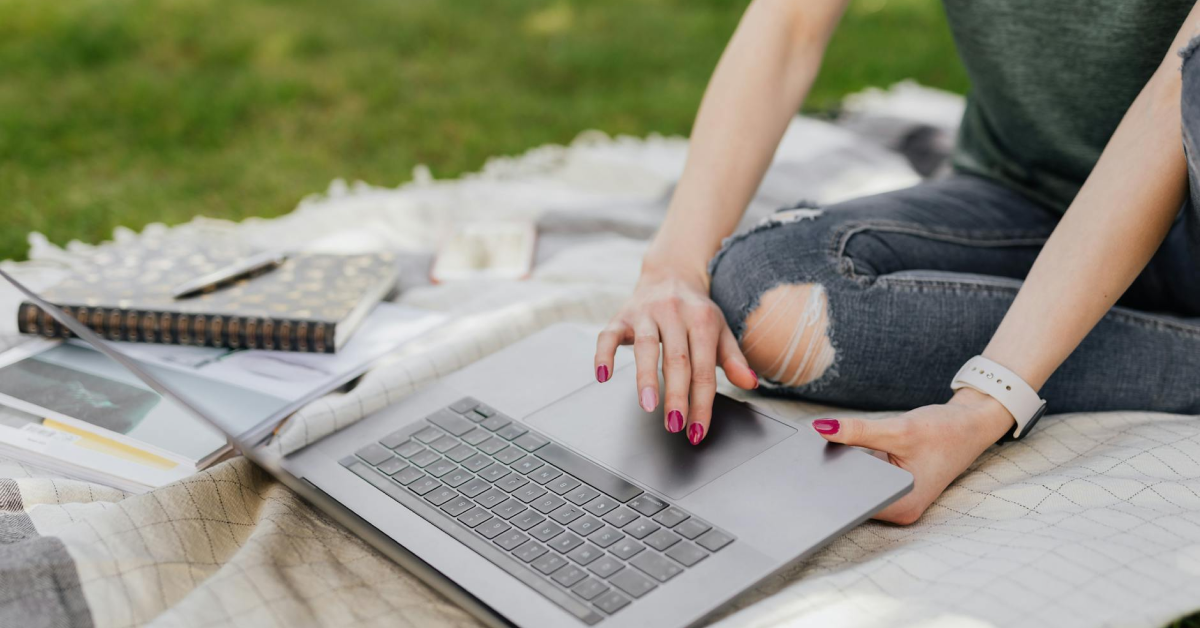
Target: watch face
[[1033, 421]]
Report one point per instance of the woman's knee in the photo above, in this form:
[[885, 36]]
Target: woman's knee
[[769, 285]]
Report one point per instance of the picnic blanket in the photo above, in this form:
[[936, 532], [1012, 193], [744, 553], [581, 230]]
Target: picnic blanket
[[1092, 520]]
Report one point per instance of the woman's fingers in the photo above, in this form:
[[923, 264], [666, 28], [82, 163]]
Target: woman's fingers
[[734, 362], [878, 435], [677, 369], [702, 339], [614, 335], [645, 351]]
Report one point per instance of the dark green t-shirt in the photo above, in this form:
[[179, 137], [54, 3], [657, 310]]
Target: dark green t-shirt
[[1050, 80]]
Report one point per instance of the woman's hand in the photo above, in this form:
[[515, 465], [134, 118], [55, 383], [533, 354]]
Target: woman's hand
[[934, 443], [671, 307]]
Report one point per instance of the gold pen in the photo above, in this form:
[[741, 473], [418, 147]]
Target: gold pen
[[229, 274]]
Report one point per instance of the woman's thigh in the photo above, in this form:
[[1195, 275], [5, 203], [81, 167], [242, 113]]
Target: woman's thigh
[[876, 302]]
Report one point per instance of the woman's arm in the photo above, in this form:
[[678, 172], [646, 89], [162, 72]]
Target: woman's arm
[[1107, 236], [763, 76]]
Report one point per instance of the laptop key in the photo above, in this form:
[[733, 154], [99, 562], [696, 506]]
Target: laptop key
[[512, 482], [511, 431], [373, 453], [457, 477], [477, 463], [530, 492], [464, 405], [545, 474], [611, 602], [671, 516], [460, 452], [457, 506], [569, 575], [429, 434], [495, 423], [410, 449], [656, 566], [662, 540], [549, 563], [492, 445], [621, 516], [527, 519], [601, 505], [528, 465], [509, 455], [444, 444], [484, 411], [493, 528], [566, 542], [626, 549], [510, 540], [425, 458], [647, 504], [509, 508], [548, 502], [451, 422], [714, 540], [692, 528], [606, 536], [563, 484], [585, 554], [546, 531], [440, 468], [491, 498], [495, 472], [632, 582], [424, 485], [475, 517], [440, 495], [687, 554], [476, 436], [586, 525], [530, 551], [641, 528], [588, 471], [589, 588], [474, 487], [409, 475], [582, 495], [530, 442], [393, 466], [566, 514], [606, 566]]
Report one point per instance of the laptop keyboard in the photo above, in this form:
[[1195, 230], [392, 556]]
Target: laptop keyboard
[[588, 540]]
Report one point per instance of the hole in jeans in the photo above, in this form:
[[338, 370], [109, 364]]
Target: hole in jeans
[[786, 337]]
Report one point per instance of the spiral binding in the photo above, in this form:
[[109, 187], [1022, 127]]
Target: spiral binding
[[198, 330]]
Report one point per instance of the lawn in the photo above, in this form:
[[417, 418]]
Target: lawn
[[124, 112]]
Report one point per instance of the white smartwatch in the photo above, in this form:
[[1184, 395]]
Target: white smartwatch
[[1004, 386]]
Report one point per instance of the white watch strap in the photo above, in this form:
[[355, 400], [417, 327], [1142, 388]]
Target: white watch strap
[[1004, 386]]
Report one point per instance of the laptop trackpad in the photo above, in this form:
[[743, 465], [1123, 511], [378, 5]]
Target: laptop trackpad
[[605, 423]]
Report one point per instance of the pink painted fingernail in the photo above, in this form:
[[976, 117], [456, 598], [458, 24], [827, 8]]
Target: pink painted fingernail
[[755, 378], [602, 373], [827, 426], [695, 433], [649, 399], [674, 421]]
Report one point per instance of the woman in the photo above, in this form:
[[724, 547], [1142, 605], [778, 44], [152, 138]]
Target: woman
[[1066, 200]]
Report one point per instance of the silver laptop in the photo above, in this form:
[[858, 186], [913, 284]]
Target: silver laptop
[[533, 496]]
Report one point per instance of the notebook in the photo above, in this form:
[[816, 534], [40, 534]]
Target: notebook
[[311, 303]]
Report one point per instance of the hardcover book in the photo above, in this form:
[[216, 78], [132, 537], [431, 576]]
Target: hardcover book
[[310, 303]]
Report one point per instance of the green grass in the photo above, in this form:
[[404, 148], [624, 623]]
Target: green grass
[[124, 112]]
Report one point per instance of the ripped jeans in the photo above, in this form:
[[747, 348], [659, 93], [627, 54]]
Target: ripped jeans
[[876, 302]]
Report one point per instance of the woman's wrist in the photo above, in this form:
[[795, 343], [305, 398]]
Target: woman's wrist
[[989, 417], [662, 262]]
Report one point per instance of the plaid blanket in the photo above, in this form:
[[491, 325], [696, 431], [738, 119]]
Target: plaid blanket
[[1094, 519]]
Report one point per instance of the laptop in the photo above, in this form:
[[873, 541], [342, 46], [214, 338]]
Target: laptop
[[531, 495]]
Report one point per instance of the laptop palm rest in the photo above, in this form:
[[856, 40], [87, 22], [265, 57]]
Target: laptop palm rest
[[605, 423]]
